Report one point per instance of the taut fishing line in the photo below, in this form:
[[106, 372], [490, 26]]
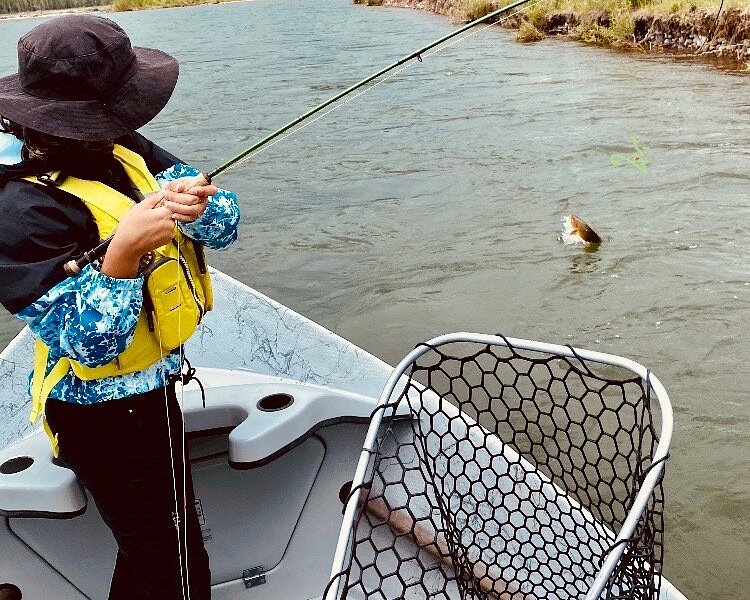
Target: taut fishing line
[[184, 575], [180, 517]]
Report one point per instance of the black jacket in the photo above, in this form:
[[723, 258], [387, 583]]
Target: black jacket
[[41, 228]]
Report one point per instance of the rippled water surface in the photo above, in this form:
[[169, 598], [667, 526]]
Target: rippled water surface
[[433, 204]]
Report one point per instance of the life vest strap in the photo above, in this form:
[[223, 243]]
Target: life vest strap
[[42, 385], [52, 438]]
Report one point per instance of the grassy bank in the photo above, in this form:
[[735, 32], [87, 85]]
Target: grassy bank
[[610, 22], [122, 5], [662, 7], [23, 6], [16, 7]]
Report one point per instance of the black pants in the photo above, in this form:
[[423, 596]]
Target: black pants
[[120, 451]]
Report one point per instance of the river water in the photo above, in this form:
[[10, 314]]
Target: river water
[[433, 203]]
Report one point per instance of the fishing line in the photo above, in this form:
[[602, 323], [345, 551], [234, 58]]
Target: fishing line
[[184, 581], [176, 518], [487, 26], [342, 103], [165, 380]]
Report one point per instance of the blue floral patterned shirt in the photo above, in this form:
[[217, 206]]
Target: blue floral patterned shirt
[[91, 318]]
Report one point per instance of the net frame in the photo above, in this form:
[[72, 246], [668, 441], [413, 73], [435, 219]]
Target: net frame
[[651, 476]]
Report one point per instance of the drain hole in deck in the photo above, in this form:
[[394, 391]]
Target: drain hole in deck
[[275, 402], [8, 591], [15, 465]]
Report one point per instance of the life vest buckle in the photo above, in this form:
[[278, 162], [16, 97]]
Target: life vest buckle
[[52, 179]]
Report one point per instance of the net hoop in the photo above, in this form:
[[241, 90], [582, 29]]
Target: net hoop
[[652, 478]]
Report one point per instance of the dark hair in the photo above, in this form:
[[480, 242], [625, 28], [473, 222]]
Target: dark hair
[[51, 148], [42, 153]]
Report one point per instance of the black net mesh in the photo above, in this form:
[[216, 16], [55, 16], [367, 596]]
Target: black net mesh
[[510, 480]]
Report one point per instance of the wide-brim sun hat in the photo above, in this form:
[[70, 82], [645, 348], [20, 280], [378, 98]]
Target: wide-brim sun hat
[[80, 78]]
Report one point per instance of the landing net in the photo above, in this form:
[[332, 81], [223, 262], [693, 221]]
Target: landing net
[[511, 479]]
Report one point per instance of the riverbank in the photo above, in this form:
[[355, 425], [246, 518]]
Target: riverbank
[[30, 14], [48, 7], [661, 26]]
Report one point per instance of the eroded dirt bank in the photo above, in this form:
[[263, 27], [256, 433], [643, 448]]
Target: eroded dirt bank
[[692, 31]]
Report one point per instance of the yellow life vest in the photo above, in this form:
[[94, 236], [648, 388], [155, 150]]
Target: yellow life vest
[[177, 288]]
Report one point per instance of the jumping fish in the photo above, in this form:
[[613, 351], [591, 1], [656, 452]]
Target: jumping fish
[[577, 231]]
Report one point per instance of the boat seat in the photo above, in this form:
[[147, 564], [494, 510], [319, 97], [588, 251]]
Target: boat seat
[[33, 485], [265, 416]]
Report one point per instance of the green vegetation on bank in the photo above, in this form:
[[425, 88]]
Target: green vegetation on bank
[[604, 22], [528, 32], [20, 6], [10, 7], [123, 5], [476, 9], [479, 8]]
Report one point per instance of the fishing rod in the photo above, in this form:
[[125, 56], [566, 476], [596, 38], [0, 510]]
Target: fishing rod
[[74, 267]]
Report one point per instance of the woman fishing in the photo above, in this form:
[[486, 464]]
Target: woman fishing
[[109, 339]]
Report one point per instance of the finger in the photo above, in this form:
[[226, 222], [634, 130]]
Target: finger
[[190, 211], [178, 218], [152, 200], [188, 184], [186, 215], [204, 191], [182, 198], [177, 185], [162, 213]]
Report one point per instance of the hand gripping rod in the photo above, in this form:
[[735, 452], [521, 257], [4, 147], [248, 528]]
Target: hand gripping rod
[[73, 267]]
